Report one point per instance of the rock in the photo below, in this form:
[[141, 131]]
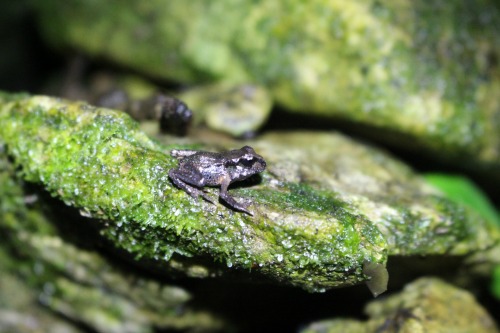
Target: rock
[[299, 235], [425, 305], [419, 75], [237, 110], [52, 263], [326, 207]]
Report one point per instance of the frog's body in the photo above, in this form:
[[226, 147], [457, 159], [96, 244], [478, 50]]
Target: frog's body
[[198, 169]]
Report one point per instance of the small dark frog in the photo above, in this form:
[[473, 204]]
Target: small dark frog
[[200, 168], [174, 115]]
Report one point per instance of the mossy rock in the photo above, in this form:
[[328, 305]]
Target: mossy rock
[[52, 264], [419, 74], [325, 214], [425, 305], [98, 161]]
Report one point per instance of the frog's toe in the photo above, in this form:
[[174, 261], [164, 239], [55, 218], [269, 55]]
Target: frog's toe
[[236, 205], [241, 208], [245, 210]]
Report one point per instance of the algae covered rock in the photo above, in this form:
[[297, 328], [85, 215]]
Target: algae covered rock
[[99, 162], [48, 260], [19, 311], [426, 305], [414, 217], [420, 74], [325, 214]]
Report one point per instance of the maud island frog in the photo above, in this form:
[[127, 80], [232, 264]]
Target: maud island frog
[[197, 169]]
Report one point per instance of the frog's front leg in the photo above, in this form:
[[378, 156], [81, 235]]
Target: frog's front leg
[[183, 180], [224, 195]]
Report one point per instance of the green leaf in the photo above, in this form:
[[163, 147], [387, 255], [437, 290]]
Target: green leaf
[[461, 190]]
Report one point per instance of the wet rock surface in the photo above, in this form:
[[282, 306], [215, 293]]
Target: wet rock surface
[[325, 208], [97, 238]]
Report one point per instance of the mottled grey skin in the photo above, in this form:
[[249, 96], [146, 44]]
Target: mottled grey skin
[[199, 168]]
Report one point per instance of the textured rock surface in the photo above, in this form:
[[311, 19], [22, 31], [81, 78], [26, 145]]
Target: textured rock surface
[[98, 161], [426, 305], [328, 212], [321, 211], [420, 74], [51, 260]]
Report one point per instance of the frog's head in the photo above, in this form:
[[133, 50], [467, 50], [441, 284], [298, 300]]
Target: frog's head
[[246, 162]]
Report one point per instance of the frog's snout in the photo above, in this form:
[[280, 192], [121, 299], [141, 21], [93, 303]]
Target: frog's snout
[[260, 166]]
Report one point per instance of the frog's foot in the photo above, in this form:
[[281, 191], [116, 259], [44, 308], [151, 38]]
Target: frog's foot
[[235, 204]]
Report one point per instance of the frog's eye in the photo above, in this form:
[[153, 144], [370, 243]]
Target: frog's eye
[[247, 161]]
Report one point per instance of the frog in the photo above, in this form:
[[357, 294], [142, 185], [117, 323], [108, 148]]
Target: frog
[[197, 169]]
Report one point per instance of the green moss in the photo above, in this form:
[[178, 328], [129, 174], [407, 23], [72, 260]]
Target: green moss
[[57, 263], [301, 196], [417, 73], [97, 161], [319, 214]]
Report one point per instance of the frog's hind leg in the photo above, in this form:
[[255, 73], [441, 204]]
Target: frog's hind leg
[[178, 178], [224, 195]]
